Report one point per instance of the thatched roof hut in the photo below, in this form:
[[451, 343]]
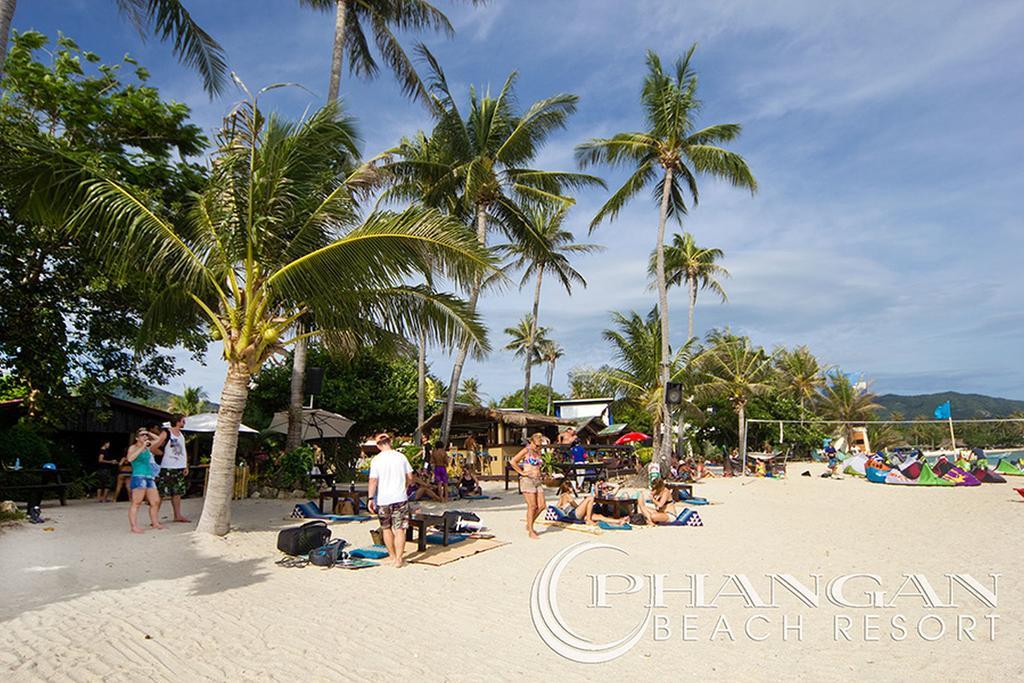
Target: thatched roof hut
[[478, 419]]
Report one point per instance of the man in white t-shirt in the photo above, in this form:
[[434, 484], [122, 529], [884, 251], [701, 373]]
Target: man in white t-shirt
[[390, 477], [173, 477]]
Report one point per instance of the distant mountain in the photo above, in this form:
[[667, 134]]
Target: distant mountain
[[157, 398], [964, 405]]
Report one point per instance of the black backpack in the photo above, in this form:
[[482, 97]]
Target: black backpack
[[330, 554], [299, 540]]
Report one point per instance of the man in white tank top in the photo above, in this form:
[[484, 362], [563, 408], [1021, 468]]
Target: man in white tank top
[[173, 477]]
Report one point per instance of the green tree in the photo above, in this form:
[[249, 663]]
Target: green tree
[[245, 252], [736, 370], [191, 402], [673, 149], [800, 374], [550, 351], [526, 339], [70, 327], [538, 399], [469, 392], [547, 249], [354, 19], [843, 401], [481, 167], [588, 382], [169, 21], [695, 266], [636, 343]]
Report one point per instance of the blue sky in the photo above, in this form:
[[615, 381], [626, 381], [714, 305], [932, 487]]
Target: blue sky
[[886, 138]]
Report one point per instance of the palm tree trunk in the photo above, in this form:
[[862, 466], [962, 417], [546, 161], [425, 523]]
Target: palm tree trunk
[[7, 8], [533, 338], [421, 386], [551, 378], [216, 517], [741, 415], [297, 395], [338, 53], [664, 449], [460, 357], [693, 305]]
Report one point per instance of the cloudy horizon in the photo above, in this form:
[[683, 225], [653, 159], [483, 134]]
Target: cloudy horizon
[[885, 140]]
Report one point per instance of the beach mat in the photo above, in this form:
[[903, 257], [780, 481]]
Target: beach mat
[[356, 563], [439, 555], [584, 528]]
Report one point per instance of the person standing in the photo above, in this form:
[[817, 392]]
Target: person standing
[[527, 464], [107, 473], [439, 461], [142, 485], [173, 476], [390, 477]]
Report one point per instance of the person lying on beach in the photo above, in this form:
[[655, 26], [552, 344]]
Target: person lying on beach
[[468, 484], [664, 508], [584, 510], [421, 488]]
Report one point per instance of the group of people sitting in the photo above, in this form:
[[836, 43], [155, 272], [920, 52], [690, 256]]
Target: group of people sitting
[[662, 507], [432, 481]]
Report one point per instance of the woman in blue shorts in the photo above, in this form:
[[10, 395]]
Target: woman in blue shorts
[[143, 485]]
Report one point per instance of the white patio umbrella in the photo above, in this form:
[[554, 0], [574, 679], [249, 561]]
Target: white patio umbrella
[[316, 424], [206, 423]]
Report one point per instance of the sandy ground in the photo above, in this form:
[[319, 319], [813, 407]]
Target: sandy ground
[[89, 601]]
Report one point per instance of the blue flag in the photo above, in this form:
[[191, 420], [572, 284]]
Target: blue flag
[[943, 412]]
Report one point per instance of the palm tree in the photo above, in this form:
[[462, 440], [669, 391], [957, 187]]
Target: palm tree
[[549, 352], [547, 250], [686, 262], [800, 374], [526, 340], [736, 371], [274, 236], [191, 402], [469, 392], [169, 20], [672, 145], [843, 401], [481, 168], [636, 342], [352, 20]]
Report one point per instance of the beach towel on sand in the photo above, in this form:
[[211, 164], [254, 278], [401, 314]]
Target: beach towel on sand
[[311, 510]]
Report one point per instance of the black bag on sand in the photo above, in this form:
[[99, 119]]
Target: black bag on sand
[[299, 540], [453, 517], [330, 554]]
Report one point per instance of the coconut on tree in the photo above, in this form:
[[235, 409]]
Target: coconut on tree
[[275, 235], [669, 155]]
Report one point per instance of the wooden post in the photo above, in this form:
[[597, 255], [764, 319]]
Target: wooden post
[[952, 436]]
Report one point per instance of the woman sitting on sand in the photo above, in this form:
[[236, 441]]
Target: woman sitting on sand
[[527, 463], [468, 484], [664, 508], [584, 510], [421, 488], [142, 485]]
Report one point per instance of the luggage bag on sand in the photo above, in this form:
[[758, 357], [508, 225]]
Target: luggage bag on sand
[[299, 540]]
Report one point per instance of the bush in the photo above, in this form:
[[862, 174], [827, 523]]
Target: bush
[[15, 515], [291, 469], [644, 455], [23, 442]]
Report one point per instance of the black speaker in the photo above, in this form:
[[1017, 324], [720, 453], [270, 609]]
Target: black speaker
[[314, 381], [673, 393]]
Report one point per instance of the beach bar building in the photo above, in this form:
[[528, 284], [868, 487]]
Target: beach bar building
[[499, 432]]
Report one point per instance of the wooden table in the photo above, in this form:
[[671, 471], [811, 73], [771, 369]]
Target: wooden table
[[676, 487], [50, 480], [584, 472], [616, 504], [355, 496], [420, 521]]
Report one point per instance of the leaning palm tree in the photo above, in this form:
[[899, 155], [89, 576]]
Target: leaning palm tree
[[354, 18], [737, 371], [800, 374], [275, 235], [483, 169], [191, 401], [546, 250], [168, 20], [843, 401], [549, 351], [686, 262], [669, 154]]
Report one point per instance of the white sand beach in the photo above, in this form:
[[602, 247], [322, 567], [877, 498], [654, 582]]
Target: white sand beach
[[88, 601]]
